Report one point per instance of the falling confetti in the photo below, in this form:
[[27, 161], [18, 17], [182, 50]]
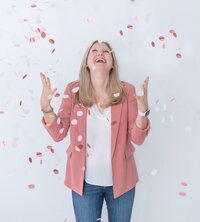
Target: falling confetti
[[184, 184], [34, 6], [43, 34], [51, 41], [121, 32], [57, 94], [56, 171], [154, 172], [20, 103], [153, 44], [182, 193], [74, 90], [178, 55], [53, 51], [31, 186], [89, 19], [116, 94], [161, 38], [129, 26], [23, 77], [39, 154], [32, 40], [30, 160]]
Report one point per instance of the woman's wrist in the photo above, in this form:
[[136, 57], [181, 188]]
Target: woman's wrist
[[48, 109]]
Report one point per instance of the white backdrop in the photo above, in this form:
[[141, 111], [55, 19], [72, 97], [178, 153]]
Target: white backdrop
[[51, 37]]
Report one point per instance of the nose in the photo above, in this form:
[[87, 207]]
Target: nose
[[100, 52]]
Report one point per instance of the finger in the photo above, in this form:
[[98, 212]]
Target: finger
[[54, 90], [48, 82], [43, 79]]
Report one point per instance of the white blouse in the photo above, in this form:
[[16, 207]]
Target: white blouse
[[98, 169]]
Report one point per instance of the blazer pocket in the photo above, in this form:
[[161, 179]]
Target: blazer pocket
[[69, 151], [129, 152]]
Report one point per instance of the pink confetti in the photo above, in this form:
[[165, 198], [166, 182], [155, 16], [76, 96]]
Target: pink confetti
[[161, 38], [39, 154], [171, 31], [20, 103], [184, 184], [89, 19], [175, 35], [53, 51], [51, 41], [31, 186], [32, 40], [34, 6], [88, 145], [121, 32], [56, 171], [171, 100], [43, 34], [2, 112], [37, 30], [51, 149], [41, 162], [129, 26], [163, 45], [30, 160], [178, 55], [89, 112], [182, 193], [153, 44]]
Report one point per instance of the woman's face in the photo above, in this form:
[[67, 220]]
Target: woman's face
[[100, 58]]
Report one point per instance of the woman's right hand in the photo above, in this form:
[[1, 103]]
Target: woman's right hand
[[47, 93]]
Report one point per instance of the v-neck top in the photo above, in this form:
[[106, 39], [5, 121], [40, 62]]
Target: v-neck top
[[98, 169]]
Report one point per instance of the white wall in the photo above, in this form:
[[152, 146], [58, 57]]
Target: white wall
[[169, 156]]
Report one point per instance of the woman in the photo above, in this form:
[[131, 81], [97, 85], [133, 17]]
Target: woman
[[104, 115]]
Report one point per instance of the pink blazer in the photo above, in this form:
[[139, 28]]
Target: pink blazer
[[124, 130]]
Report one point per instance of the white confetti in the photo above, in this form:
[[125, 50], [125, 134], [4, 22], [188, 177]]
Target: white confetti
[[80, 138], [74, 121], [157, 108], [79, 113], [116, 94], [58, 121], [61, 130], [74, 90], [163, 120], [164, 107], [77, 149], [154, 172], [171, 118], [65, 96]]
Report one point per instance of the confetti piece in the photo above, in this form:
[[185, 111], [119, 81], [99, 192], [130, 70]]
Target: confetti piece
[[41, 162], [65, 96], [89, 113], [34, 6], [56, 171], [79, 113], [31, 186], [157, 109], [157, 101], [182, 193], [80, 138], [74, 121], [51, 149], [98, 219], [77, 149], [23, 77], [88, 145], [39, 154], [20, 103], [163, 120], [57, 94], [164, 107], [171, 31], [32, 40], [154, 172], [37, 30], [129, 26], [116, 94], [2, 112], [30, 160], [171, 100], [61, 130], [175, 35], [74, 90], [89, 19], [43, 34], [184, 184], [162, 38], [65, 220], [51, 41], [53, 51], [171, 118], [153, 44], [163, 45], [121, 32], [178, 55]]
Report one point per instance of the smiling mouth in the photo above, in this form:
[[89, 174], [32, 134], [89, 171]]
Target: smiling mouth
[[100, 60]]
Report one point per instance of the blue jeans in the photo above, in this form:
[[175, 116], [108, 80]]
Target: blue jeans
[[87, 208]]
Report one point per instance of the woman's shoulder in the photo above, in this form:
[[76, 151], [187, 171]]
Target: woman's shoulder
[[127, 85]]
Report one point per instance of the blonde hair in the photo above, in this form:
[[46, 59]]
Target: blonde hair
[[85, 95]]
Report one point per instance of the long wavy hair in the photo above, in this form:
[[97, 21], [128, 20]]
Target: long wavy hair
[[114, 88]]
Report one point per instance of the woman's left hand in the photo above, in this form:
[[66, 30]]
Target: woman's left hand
[[142, 100]]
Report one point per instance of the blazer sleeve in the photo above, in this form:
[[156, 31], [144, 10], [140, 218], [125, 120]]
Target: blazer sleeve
[[58, 129], [137, 135]]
